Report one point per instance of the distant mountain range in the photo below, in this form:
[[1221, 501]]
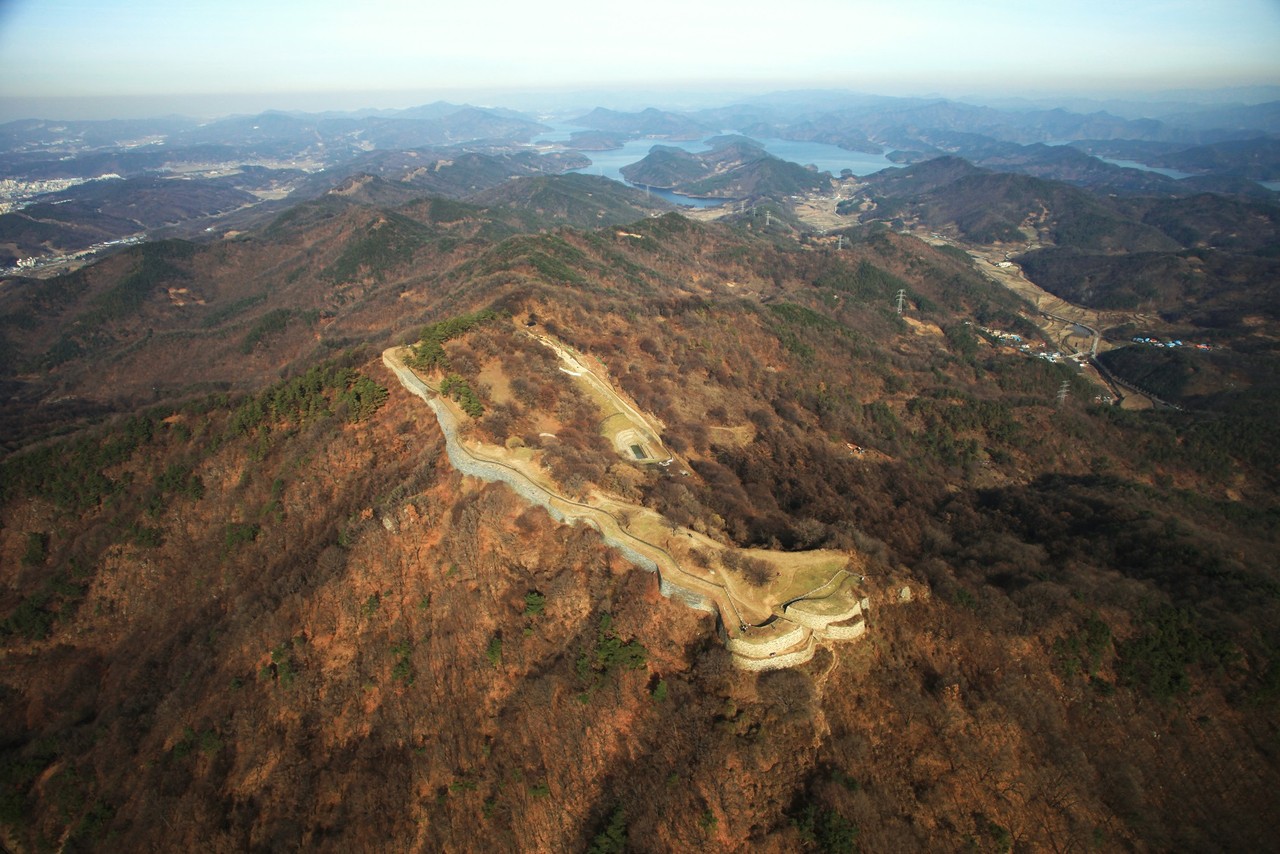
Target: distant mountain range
[[1203, 258], [649, 122], [275, 131], [195, 178]]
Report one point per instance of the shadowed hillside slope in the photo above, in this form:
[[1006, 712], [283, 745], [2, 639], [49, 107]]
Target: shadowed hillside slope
[[246, 603]]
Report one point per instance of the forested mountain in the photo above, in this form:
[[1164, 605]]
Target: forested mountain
[[735, 167], [248, 602], [581, 201], [1187, 257], [647, 122], [989, 207], [460, 150]]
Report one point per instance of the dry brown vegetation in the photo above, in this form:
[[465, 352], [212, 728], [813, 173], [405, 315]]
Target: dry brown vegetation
[[337, 643]]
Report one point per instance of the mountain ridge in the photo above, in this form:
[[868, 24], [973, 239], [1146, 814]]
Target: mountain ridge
[[246, 602]]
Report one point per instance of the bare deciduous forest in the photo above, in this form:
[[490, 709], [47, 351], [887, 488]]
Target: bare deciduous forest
[[248, 605]]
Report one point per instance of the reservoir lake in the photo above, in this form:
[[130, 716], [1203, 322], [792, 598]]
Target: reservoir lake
[[828, 158], [1172, 173], [1133, 164]]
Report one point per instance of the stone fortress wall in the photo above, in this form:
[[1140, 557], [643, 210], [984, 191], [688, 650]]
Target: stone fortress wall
[[832, 611], [492, 472]]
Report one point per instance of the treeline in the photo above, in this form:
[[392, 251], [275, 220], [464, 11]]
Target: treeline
[[550, 257], [1205, 588], [117, 482], [72, 473], [946, 421], [865, 282], [93, 477], [155, 267], [226, 311], [429, 354], [272, 324], [458, 389], [325, 390], [798, 328]]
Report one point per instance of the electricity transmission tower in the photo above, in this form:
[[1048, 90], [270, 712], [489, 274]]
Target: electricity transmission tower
[[1062, 392], [902, 292]]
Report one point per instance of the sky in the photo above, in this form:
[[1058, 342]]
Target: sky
[[69, 55]]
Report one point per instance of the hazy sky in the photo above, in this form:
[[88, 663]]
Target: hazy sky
[[94, 48]]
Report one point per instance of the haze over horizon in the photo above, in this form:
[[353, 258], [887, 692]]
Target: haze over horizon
[[65, 59]]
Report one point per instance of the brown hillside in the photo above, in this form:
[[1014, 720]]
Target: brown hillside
[[257, 609]]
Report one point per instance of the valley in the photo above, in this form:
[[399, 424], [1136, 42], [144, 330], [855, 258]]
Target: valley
[[1068, 328]]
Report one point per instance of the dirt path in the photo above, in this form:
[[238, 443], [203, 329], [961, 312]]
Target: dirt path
[[582, 373]]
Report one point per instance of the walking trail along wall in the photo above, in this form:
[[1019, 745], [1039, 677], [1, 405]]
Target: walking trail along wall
[[786, 638]]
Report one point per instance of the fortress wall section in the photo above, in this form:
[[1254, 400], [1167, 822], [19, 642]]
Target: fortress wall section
[[797, 613], [847, 631], [778, 662], [491, 472], [761, 649]]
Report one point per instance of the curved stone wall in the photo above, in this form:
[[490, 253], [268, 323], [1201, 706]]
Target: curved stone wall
[[851, 630], [779, 642], [798, 630], [811, 617], [492, 472], [779, 662]]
